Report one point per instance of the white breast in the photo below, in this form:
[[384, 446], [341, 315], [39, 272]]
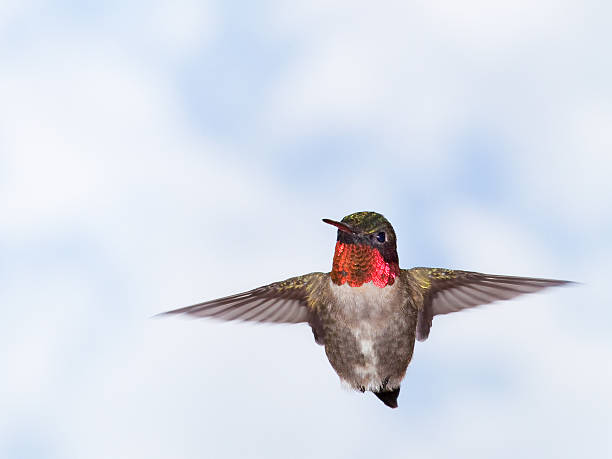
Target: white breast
[[364, 301], [365, 310]]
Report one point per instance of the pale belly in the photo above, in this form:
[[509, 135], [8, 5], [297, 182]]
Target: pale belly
[[368, 340]]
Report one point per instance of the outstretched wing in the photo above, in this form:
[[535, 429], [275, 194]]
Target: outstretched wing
[[281, 302], [441, 291]]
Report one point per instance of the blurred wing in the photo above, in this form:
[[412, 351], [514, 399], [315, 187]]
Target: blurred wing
[[280, 302], [445, 290]]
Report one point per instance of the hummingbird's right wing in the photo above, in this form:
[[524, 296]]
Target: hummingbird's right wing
[[441, 291], [281, 302]]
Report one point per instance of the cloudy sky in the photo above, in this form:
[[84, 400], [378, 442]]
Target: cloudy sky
[[156, 154]]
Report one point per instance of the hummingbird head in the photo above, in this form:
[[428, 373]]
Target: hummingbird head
[[366, 250]]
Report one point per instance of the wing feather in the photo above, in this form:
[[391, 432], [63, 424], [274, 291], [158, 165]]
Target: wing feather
[[442, 291], [280, 302]]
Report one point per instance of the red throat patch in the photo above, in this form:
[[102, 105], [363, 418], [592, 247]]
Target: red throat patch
[[359, 264]]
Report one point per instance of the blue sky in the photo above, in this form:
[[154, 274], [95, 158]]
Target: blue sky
[[156, 154]]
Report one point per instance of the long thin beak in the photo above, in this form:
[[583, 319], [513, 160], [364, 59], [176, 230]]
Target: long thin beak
[[341, 226]]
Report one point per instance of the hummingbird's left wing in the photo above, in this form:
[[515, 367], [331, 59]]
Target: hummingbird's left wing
[[441, 291], [281, 302]]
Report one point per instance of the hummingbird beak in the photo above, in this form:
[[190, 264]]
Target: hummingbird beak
[[341, 226]]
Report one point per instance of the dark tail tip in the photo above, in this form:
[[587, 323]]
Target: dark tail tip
[[389, 398]]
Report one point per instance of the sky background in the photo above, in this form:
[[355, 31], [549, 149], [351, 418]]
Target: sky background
[[156, 154]]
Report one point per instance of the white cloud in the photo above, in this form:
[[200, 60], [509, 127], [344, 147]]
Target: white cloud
[[569, 170], [10, 10], [418, 76], [180, 27], [493, 27], [492, 241]]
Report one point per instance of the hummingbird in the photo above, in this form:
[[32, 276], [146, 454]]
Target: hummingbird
[[367, 312]]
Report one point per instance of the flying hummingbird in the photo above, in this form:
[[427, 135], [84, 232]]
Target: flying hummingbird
[[367, 311]]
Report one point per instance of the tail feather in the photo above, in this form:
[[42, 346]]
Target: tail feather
[[388, 397]]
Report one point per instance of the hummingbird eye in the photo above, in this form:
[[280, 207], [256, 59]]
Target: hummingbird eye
[[381, 237]]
